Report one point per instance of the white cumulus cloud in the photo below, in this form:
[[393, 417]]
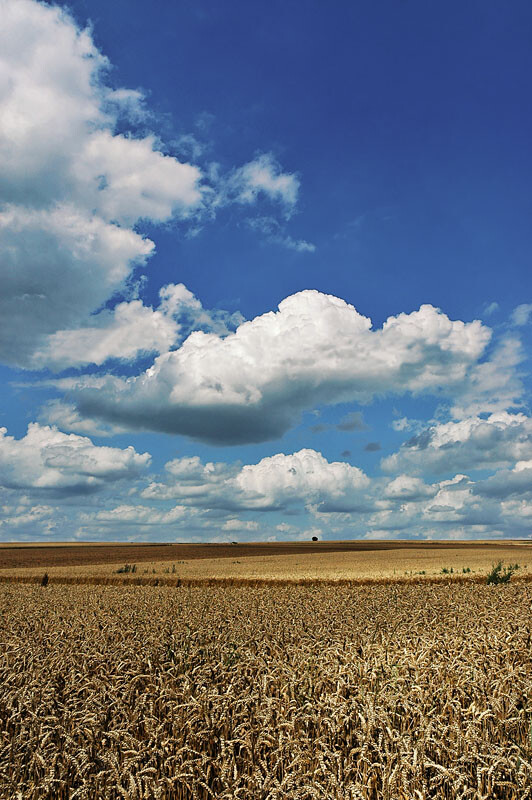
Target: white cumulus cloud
[[47, 459], [277, 482], [240, 525], [498, 440], [136, 515], [305, 476], [72, 189], [56, 266], [252, 385], [132, 328]]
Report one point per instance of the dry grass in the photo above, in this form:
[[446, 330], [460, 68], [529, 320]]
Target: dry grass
[[395, 563], [409, 693]]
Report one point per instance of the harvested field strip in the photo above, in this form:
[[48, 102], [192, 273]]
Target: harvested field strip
[[266, 693], [112, 580]]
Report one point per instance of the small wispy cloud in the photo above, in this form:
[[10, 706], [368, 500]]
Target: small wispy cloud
[[275, 233], [372, 447], [490, 308], [521, 314], [401, 424], [352, 422], [264, 175]]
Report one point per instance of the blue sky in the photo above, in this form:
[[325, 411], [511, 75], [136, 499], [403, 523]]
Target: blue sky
[[265, 270]]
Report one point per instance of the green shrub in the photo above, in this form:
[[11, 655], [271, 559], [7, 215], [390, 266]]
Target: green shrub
[[501, 574]]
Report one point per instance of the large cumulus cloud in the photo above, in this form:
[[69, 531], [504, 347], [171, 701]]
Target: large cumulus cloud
[[72, 187], [252, 385], [75, 187]]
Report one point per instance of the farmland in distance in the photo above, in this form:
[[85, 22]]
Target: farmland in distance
[[351, 560]]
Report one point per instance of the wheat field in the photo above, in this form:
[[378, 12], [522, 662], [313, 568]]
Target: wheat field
[[396, 692]]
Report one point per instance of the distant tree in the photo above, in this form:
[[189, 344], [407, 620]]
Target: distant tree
[[314, 538]]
